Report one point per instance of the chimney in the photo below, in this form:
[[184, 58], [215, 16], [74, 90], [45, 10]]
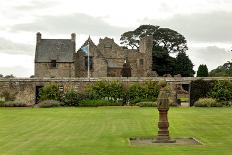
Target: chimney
[[38, 37], [73, 37]]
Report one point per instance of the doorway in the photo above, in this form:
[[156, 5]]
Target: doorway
[[37, 89]]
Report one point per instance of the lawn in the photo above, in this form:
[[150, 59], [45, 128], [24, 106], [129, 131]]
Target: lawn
[[105, 130]]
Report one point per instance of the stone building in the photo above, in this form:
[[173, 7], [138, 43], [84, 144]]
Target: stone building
[[58, 58], [55, 57]]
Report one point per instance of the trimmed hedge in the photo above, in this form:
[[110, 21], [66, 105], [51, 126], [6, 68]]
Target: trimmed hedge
[[146, 104], [96, 103], [13, 104], [49, 104], [207, 102]]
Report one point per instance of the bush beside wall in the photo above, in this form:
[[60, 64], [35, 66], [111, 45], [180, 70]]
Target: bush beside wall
[[14, 104], [200, 89], [207, 102], [49, 104], [96, 103]]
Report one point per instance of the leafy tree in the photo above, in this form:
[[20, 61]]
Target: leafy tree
[[202, 71], [162, 62], [224, 70], [165, 41], [165, 38], [10, 76], [184, 65]]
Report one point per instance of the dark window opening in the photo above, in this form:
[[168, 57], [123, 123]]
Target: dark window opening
[[90, 63], [53, 64], [141, 62]]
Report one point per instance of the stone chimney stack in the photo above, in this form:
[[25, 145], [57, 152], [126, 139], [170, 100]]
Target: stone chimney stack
[[73, 37], [38, 37]]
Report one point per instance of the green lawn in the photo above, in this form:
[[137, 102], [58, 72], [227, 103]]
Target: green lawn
[[105, 130]]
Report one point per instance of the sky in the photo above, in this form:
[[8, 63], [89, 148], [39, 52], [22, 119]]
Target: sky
[[206, 24]]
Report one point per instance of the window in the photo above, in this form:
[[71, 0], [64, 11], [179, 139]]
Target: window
[[90, 63], [53, 64], [141, 62], [108, 46]]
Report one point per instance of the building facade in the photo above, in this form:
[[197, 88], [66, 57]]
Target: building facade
[[58, 58]]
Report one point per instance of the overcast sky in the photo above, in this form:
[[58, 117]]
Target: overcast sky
[[206, 24]]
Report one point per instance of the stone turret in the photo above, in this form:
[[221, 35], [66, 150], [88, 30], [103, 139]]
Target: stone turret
[[38, 37], [73, 37], [145, 46]]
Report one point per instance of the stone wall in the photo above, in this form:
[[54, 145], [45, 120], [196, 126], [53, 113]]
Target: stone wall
[[62, 70], [25, 89]]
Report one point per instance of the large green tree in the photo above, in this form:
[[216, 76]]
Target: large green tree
[[165, 41], [224, 70], [184, 65], [202, 71], [164, 38], [162, 62]]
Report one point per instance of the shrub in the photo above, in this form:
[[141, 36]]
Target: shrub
[[49, 103], [146, 104], [184, 99], [115, 91], [226, 103], [207, 102], [8, 96], [2, 103], [13, 104], [151, 89], [200, 89], [50, 92], [112, 90], [136, 92], [71, 98], [96, 103], [222, 91]]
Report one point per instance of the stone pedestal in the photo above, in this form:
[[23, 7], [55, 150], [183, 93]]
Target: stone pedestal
[[163, 133]]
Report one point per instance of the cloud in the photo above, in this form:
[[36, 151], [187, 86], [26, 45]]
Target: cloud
[[212, 56], [80, 23], [17, 64], [201, 27], [18, 71], [10, 47], [35, 5]]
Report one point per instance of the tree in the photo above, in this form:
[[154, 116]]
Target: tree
[[224, 70], [184, 65], [10, 76], [164, 38], [162, 62], [202, 71]]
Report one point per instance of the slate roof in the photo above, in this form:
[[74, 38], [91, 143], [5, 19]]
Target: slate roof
[[61, 50]]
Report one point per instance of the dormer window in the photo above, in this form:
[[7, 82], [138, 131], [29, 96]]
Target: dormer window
[[53, 64]]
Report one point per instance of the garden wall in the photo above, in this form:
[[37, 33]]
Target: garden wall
[[26, 89]]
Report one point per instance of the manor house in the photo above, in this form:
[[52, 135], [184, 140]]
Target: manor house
[[58, 58]]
